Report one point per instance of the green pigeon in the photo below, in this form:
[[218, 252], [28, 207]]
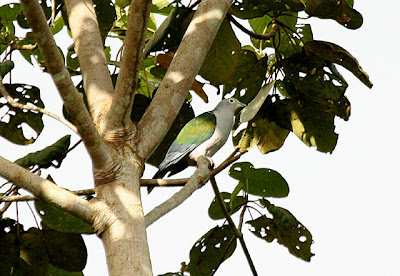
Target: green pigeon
[[203, 135]]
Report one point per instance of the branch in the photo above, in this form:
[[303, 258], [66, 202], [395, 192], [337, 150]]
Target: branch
[[176, 83], [182, 181], [237, 233], [119, 114], [198, 179], [15, 104], [72, 99], [32, 197], [266, 36], [92, 60], [46, 190]]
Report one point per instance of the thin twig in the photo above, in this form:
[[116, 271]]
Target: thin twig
[[238, 234], [32, 197], [266, 36], [32, 107]]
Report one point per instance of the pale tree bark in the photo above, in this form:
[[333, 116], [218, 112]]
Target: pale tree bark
[[184, 67]]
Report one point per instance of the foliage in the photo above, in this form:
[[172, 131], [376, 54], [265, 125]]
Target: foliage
[[289, 80]]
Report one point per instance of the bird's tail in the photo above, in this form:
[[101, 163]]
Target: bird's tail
[[159, 175]]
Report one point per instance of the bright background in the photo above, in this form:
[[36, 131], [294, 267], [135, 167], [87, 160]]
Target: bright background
[[349, 200]]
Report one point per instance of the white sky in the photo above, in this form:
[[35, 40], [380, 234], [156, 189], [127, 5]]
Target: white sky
[[348, 200]]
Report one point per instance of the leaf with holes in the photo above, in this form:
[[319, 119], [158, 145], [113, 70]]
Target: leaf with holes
[[255, 8], [61, 221], [16, 123], [286, 229], [338, 10], [248, 76], [215, 212], [261, 182], [313, 123], [312, 77], [45, 157], [66, 251], [223, 56], [336, 54], [264, 133], [211, 250]]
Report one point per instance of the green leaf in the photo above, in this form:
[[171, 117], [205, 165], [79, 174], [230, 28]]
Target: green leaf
[[256, 8], [169, 35], [286, 229], [215, 212], [33, 252], [9, 12], [311, 76], [67, 251], [54, 271], [58, 25], [250, 111], [223, 56], [312, 123], [14, 121], [248, 76], [210, 250], [106, 11], [261, 182], [45, 157], [60, 220], [263, 132], [338, 10], [336, 54], [6, 67]]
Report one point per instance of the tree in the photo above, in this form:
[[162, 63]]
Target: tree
[[129, 117]]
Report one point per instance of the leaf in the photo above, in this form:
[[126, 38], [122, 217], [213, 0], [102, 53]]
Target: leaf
[[266, 134], [169, 35], [336, 54], [286, 229], [106, 11], [15, 121], [61, 221], [250, 111], [313, 124], [248, 76], [215, 212], [256, 8], [338, 10], [210, 250], [45, 157], [311, 76], [223, 56], [67, 251], [33, 252], [261, 182], [6, 67], [54, 271]]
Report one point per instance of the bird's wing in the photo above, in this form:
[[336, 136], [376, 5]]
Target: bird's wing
[[195, 132]]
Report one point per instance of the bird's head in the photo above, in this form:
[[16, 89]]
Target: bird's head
[[230, 104]]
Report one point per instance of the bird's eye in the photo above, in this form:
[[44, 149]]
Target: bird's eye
[[231, 101]]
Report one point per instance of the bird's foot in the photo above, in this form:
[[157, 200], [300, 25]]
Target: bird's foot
[[211, 161]]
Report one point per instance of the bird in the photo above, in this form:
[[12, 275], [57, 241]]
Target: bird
[[203, 135]]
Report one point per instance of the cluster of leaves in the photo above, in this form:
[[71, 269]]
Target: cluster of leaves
[[218, 244], [55, 248]]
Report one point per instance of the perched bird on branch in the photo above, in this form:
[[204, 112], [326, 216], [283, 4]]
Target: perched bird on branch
[[203, 135]]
